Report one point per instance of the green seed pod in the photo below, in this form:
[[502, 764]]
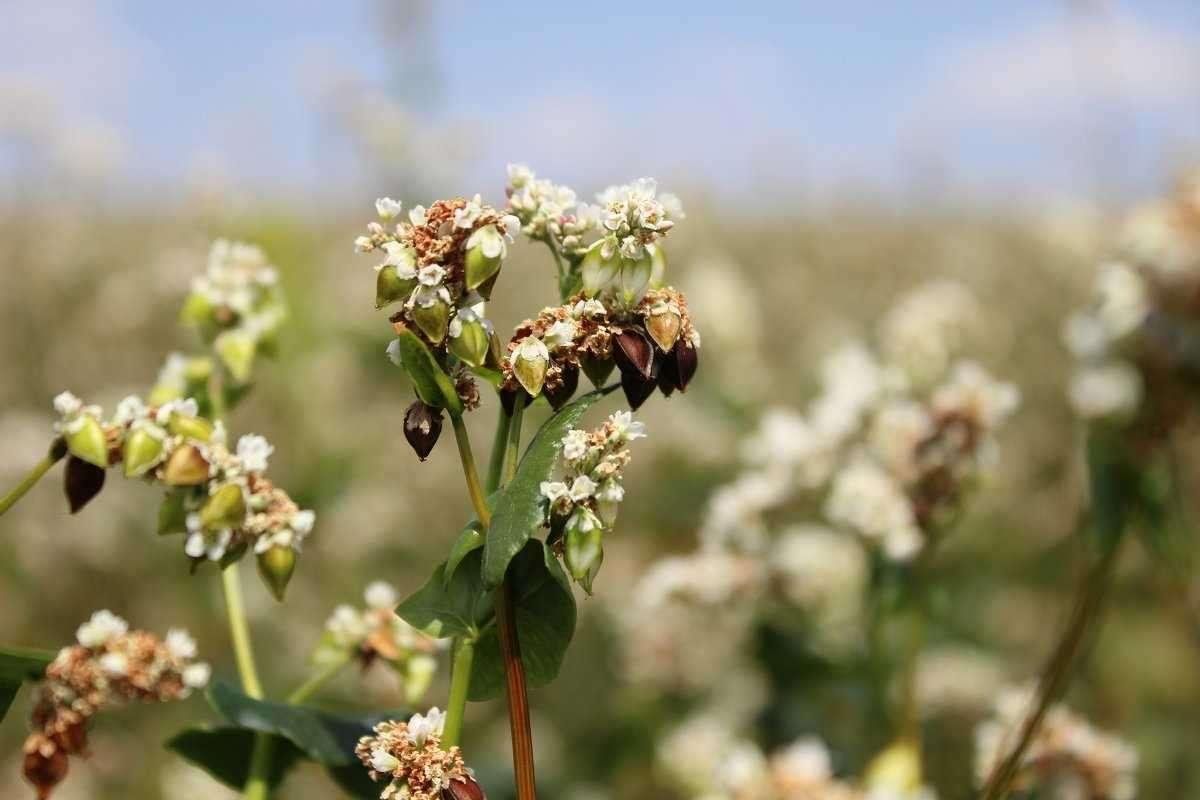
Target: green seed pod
[[187, 466], [635, 279], [225, 509], [583, 552], [236, 349], [598, 272], [485, 252], [432, 319], [529, 364], [596, 370], [143, 449], [469, 339], [390, 287], [658, 260], [172, 514], [196, 428], [276, 566], [86, 441], [197, 310]]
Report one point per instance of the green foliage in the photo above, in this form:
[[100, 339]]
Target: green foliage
[[224, 753], [471, 539], [19, 665], [432, 384], [457, 605], [1114, 482], [545, 618], [517, 512]]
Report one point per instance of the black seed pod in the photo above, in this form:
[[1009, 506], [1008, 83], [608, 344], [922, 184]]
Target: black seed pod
[[422, 427], [681, 365], [81, 482], [596, 370], [465, 788], [566, 390], [508, 399], [634, 352], [638, 388]]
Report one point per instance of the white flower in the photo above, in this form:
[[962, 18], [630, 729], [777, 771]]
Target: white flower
[[560, 334], [1112, 390], [393, 351], [202, 543], [103, 627], [402, 257], [346, 626], [582, 488], [972, 392], [363, 244], [383, 761], [625, 429], [575, 444], [180, 644], [422, 726], [387, 208], [431, 275], [196, 676], [1085, 336], [130, 409], [611, 491], [531, 348], [67, 404], [867, 499], [466, 216], [490, 241], [416, 215], [302, 522], [115, 664], [553, 490], [582, 519], [253, 451], [1122, 299], [381, 595]]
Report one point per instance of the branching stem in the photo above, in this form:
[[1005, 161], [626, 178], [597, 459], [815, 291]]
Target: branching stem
[[56, 453]]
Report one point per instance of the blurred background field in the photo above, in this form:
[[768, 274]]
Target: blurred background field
[[129, 139]]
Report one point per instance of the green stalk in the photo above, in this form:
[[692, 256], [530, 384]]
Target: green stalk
[[319, 679], [460, 685], [56, 453], [257, 786], [499, 448], [512, 450]]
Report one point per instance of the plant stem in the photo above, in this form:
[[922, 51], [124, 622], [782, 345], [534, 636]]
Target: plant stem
[[470, 472], [257, 786], [1057, 672], [318, 679], [512, 450], [460, 685], [56, 453], [499, 449]]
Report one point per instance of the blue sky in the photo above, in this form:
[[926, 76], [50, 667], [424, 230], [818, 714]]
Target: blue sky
[[1008, 99]]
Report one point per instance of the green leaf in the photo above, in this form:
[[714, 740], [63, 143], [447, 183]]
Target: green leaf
[[19, 665], [517, 511], [545, 617], [433, 385], [8, 693], [470, 540], [325, 738], [1114, 483], [224, 753], [457, 606]]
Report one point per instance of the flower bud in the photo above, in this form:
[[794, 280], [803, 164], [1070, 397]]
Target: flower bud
[[633, 352], [86, 440], [276, 566], [187, 466], [565, 390], [469, 339], [485, 252], [638, 388], [422, 427], [172, 515], [82, 481], [583, 549], [237, 349], [225, 509], [143, 449], [530, 361], [598, 272], [197, 310], [390, 287], [432, 319], [464, 788], [663, 323], [635, 278], [196, 428]]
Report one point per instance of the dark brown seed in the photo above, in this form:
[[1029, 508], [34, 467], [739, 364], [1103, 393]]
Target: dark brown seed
[[637, 388], [464, 789], [634, 352], [81, 482], [45, 772], [422, 427], [686, 360], [508, 399], [596, 370], [667, 375], [566, 390]]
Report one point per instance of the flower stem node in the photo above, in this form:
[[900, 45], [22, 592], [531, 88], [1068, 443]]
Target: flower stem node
[[86, 441], [226, 508], [422, 428], [186, 466], [142, 451], [486, 249], [82, 481], [530, 361], [390, 287], [276, 566]]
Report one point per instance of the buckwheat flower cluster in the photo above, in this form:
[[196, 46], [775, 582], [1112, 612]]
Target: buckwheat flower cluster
[[654, 344], [410, 757], [582, 503], [549, 212], [1067, 759], [634, 216], [236, 305], [439, 261], [220, 498], [109, 666], [376, 633]]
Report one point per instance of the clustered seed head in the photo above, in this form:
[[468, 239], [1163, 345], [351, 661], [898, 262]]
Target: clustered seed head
[[376, 633], [582, 503], [410, 757], [1066, 751], [109, 666], [1135, 344], [220, 498]]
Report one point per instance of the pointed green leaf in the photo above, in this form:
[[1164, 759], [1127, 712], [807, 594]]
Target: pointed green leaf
[[454, 607], [433, 385], [19, 665], [545, 616], [516, 512], [224, 753], [470, 540]]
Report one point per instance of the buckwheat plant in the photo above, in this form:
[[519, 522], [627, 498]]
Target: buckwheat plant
[[1134, 389], [832, 528], [503, 594]]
